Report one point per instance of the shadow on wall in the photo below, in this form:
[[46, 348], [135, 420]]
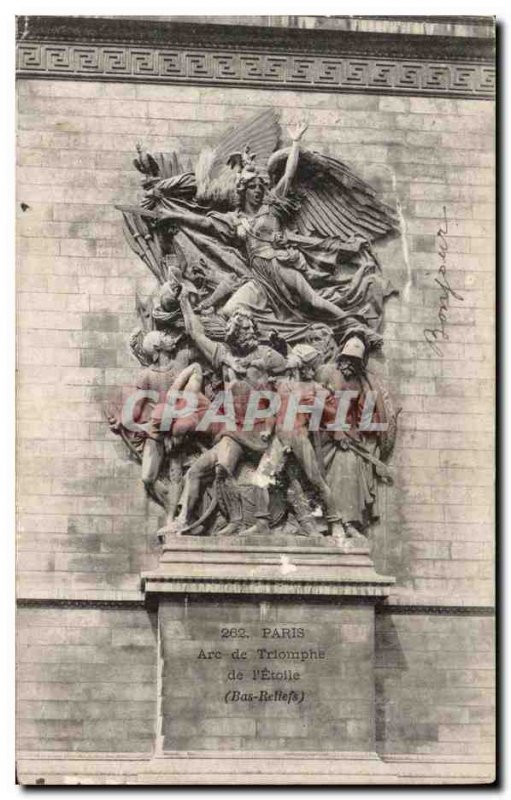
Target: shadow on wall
[[401, 724]]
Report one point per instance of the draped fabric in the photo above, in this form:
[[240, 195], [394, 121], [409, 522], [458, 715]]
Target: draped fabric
[[255, 281]]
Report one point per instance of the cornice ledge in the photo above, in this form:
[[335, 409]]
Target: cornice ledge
[[147, 32], [410, 72], [163, 584]]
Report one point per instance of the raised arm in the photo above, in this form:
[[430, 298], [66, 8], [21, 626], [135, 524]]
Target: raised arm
[[195, 328], [285, 182], [196, 221]]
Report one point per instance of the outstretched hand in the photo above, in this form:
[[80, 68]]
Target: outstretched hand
[[114, 424], [204, 308], [297, 131]]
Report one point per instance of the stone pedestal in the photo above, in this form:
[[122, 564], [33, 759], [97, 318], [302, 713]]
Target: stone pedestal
[[267, 645], [297, 566]]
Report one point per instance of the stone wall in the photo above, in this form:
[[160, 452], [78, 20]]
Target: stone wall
[[86, 679], [435, 684], [198, 709], [85, 524], [87, 682]]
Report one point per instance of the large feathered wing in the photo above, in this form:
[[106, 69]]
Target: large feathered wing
[[215, 180], [260, 133], [334, 201]]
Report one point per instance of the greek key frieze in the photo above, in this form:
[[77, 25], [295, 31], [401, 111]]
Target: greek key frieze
[[340, 73]]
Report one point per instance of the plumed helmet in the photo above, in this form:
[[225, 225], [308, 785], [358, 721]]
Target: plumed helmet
[[353, 347], [247, 168]]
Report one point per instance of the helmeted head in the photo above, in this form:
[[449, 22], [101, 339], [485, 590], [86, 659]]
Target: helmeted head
[[241, 332], [251, 181], [307, 359], [168, 296], [252, 191], [352, 357], [156, 342]]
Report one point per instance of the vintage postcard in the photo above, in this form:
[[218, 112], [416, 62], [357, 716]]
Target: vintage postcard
[[255, 400]]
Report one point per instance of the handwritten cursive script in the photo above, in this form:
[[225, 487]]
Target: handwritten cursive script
[[433, 335]]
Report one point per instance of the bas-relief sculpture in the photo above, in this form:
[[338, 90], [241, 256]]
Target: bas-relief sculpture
[[269, 296]]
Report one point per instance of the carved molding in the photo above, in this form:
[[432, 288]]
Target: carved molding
[[59, 602], [439, 610], [330, 73], [75, 48], [381, 608], [165, 585]]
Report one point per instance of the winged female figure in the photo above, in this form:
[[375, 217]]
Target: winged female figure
[[287, 234]]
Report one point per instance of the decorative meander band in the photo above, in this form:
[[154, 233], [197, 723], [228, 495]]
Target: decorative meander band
[[92, 49]]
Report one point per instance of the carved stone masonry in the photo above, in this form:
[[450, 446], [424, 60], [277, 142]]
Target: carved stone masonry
[[268, 303]]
